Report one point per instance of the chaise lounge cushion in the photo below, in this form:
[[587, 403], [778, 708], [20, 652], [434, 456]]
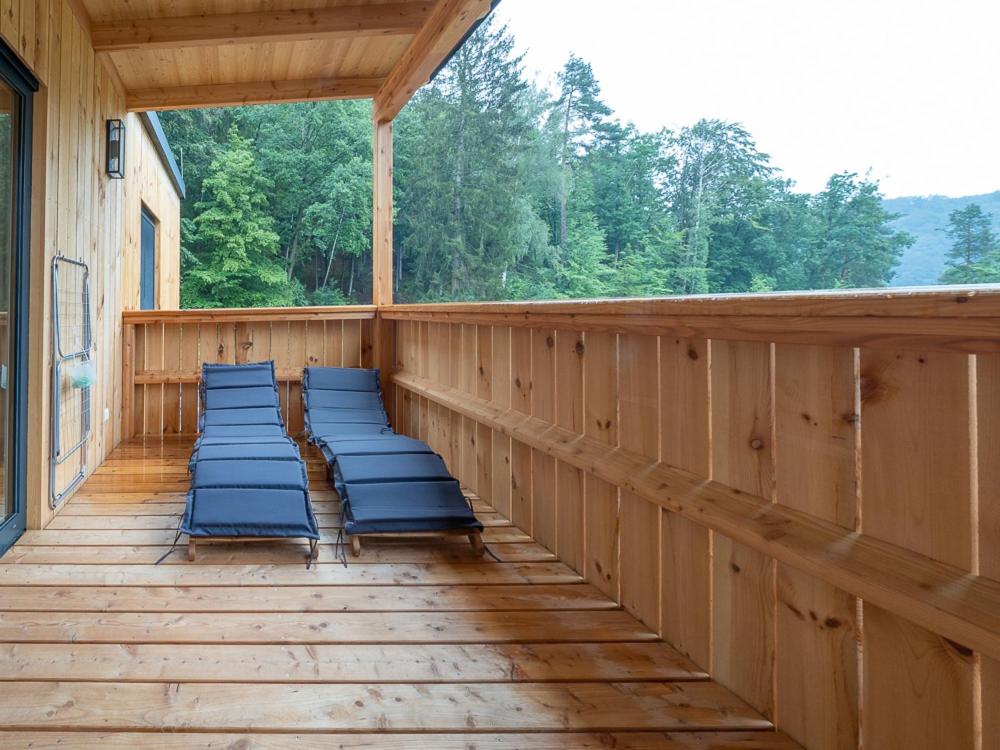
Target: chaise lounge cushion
[[250, 474], [408, 507], [340, 379], [249, 513]]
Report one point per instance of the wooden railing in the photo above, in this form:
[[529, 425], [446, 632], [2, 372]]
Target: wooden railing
[[801, 492], [164, 351]]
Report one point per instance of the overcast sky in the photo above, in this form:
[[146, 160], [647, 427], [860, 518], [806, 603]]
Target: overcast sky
[[908, 89]]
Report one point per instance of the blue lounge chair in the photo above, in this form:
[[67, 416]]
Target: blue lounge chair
[[248, 479], [388, 483]]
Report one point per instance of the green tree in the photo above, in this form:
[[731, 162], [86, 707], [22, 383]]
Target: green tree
[[852, 243], [715, 165], [974, 257], [231, 245]]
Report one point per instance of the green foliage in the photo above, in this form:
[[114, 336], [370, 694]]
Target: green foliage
[[504, 190], [974, 257]]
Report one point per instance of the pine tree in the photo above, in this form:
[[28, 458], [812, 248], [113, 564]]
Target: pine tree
[[974, 257], [232, 245]]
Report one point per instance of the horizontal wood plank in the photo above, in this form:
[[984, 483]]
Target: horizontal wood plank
[[730, 740], [374, 707], [582, 662]]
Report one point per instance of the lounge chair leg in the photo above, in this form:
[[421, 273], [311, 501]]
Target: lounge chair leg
[[478, 548], [356, 546], [313, 549], [192, 552]]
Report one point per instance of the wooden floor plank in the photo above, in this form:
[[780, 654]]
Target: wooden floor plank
[[586, 662], [302, 598], [136, 537], [322, 627], [289, 553], [374, 707], [760, 740], [266, 576]]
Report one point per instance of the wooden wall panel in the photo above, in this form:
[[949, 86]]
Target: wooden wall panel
[[919, 688], [818, 635], [79, 212], [743, 579]]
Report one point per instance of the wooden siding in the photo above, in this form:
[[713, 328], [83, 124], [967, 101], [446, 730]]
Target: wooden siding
[[168, 348], [713, 460], [79, 212], [416, 644]]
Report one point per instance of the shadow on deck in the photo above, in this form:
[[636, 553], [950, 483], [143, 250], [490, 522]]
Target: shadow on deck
[[415, 644]]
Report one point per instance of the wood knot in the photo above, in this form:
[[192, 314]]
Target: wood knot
[[756, 444], [579, 348], [550, 342], [692, 354]]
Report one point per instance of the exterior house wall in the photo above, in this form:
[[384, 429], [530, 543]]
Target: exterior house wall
[[79, 212]]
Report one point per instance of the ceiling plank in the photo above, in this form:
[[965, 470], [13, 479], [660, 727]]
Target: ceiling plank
[[258, 92], [448, 23], [401, 18]]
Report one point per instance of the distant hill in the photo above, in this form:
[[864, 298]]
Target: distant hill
[[926, 218]]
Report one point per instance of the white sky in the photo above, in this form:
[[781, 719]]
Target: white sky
[[908, 89]]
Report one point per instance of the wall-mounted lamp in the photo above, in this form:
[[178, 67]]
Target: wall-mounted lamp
[[116, 149]]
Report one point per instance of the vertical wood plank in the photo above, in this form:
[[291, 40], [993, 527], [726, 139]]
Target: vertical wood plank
[[295, 415], [919, 688], [600, 412], [988, 502], [686, 555], [816, 420], [639, 411], [543, 467], [569, 479], [128, 381], [154, 393], [352, 343], [501, 391], [469, 385], [190, 361], [484, 435], [171, 391], [520, 454], [743, 579]]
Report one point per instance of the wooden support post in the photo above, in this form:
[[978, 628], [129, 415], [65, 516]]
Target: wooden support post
[[382, 217], [384, 343]]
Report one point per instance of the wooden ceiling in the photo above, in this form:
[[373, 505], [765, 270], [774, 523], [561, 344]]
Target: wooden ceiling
[[173, 54]]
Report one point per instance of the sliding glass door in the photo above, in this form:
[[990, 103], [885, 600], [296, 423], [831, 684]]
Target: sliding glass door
[[16, 88]]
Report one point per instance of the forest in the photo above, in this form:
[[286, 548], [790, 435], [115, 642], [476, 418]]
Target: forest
[[507, 190]]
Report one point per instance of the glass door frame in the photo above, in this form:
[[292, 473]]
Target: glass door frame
[[23, 84]]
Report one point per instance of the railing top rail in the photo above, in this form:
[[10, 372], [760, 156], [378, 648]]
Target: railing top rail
[[956, 301], [250, 315]]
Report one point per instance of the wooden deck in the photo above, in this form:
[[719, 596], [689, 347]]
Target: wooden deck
[[414, 645]]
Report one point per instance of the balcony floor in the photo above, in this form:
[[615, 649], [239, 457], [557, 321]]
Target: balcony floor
[[413, 645]]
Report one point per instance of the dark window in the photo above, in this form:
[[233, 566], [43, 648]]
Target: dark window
[[147, 273]]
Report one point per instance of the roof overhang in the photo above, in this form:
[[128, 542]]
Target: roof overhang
[[170, 56]]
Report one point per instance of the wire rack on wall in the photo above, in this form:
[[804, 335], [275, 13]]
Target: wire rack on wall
[[72, 376]]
